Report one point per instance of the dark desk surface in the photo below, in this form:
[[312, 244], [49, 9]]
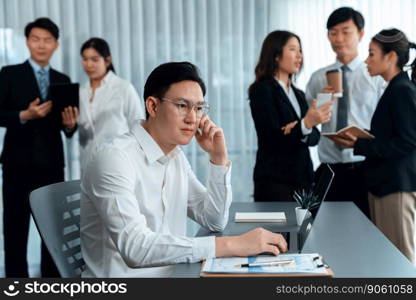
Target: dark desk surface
[[349, 242]]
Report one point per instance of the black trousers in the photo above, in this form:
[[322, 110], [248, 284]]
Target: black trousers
[[348, 185], [267, 191], [18, 182]]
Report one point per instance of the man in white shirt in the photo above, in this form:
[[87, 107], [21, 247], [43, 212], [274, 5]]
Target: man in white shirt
[[356, 106], [138, 190]]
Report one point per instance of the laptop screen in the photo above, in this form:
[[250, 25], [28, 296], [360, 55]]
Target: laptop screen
[[321, 187], [323, 182]]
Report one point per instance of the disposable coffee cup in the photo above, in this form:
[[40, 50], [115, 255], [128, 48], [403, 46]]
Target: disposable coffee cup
[[323, 98], [334, 79]]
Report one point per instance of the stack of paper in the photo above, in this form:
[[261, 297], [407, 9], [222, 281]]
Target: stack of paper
[[260, 217]]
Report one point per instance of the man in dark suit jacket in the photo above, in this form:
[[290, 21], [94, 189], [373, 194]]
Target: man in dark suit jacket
[[32, 151]]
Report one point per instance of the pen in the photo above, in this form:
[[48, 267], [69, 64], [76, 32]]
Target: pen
[[268, 263]]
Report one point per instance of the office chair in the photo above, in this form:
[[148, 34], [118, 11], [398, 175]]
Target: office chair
[[56, 211]]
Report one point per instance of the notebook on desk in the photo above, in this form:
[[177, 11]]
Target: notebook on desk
[[258, 217]]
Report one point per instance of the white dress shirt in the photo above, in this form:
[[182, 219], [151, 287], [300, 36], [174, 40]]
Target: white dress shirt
[[114, 109], [364, 93], [134, 207]]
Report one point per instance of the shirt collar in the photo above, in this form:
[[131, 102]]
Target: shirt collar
[[283, 84], [36, 66], [352, 65], [150, 148], [107, 78]]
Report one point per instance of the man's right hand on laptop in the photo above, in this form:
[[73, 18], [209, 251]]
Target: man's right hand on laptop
[[254, 242]]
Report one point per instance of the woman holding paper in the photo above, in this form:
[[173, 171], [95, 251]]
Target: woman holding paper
[[285, 125], [391, 156], [108, 104]]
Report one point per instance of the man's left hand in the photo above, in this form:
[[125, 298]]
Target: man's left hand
[[69, 117], [211, 139]]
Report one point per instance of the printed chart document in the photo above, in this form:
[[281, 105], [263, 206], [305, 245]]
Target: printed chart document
[[304, 264], [354, 130], [259, 217]]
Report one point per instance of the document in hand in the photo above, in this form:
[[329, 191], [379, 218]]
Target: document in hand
[[259, 217], [287, 265], [354, 130]]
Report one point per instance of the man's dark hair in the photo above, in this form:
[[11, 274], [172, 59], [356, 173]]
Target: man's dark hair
[[344, 14], [161, 78], [44, 23]]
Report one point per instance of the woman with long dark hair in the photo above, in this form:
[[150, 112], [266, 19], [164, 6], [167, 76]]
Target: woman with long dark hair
[[108, 104], [390, 165], [285, 125]]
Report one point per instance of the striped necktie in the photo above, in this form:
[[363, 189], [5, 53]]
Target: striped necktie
[[43, 83]]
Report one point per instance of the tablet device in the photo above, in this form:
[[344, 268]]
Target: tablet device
[[64, 95]]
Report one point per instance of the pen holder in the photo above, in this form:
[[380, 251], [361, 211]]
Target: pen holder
[[301, 214]]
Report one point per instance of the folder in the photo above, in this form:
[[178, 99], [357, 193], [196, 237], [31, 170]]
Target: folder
[[305, 265], [354, 130]]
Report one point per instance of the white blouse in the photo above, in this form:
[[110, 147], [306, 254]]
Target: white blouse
[[115, 107]]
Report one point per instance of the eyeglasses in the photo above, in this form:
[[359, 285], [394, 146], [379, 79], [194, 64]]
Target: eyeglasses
[[185, 106]]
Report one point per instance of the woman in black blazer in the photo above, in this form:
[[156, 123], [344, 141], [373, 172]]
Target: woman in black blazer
[[391, 157], [283, 121]]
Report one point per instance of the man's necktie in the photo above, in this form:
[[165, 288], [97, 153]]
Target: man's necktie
[[343, 103], [43, 83]]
